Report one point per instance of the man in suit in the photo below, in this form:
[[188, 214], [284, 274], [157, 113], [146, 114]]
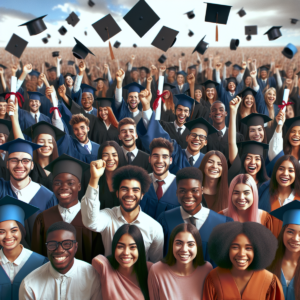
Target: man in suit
[[181, 86]]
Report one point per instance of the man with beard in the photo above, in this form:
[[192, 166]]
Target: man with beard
[[149, 128], [20, 185], [128, 137], [130, 183], [67, 173], [161, 195], [189, 192]]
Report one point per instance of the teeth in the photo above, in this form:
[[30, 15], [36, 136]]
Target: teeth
[[60, 258], [241, 261], [251, 168], [65, 195]]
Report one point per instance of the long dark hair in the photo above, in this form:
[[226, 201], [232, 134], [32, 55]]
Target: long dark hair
[[54, 154], [140, 267], [275, 267], [265, 141], [243, 107], [222, 185], [122, 160], [287, 147], [170, 260]]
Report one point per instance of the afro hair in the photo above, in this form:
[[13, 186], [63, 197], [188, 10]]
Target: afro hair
[[62, 226], [189, 173]]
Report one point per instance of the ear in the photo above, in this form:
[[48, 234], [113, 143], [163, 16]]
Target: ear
[[117, 193], [79, 186], [88, 128], [205, 142], [32, 165], [226, 113], [142, 196], [171, 160], [149, 158]]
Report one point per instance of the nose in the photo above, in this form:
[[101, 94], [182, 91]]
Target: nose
[[126, 250], [184, 247], [286, 172], [242, 196], [252, 160], [130, 192], [297, 237], [242, 251]]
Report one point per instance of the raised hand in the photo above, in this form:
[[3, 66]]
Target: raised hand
[[218, 66], [191, 79], [61, 91], [253, 73], [244, 65], [58, 58], [120, 75], [280, 116], [49, 90], [1, 71], [97, 169], [14, 69], [12, 106], [180, 60], [235, 103], [210, 57], [27, 68], [132, 57], [82, 66], [153, 69], [145, 98], [162, 68]]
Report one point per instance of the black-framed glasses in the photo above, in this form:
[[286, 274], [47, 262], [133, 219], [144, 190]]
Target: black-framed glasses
[[24, 161], [201, 137], [66, 244]]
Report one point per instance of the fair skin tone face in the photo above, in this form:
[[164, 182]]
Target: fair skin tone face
[[235, 73], [198, 95], [160, 161], [34, 105], [167, 95], [194, 142], [100, 85], [171, 74], [263, 74], [271, 97], [249, 101], [3, 106], [128, 136], [180, 79], [81, 132], [252, 165], [231, 87], [294, 137], [110, 156], [103, 114], [210, 93], [133, 101], [2, 139], [69, 81], [256, 133], [44, 152], [248, 81], [182, 112], [87, 100], [289, 112]]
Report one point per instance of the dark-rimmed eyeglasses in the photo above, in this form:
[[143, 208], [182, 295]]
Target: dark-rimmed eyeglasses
[[201, 137], [24, 161], [66, 245]]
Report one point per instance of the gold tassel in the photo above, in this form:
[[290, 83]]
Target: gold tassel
[[110, 47]]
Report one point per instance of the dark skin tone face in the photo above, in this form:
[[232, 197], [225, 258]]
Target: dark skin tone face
[[218, 114], [66, 187]]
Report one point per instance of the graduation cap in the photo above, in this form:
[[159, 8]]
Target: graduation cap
[[248, 38], [85, 32], [288, 214], [16, 45], [52, 69], [185, 100], [117, 44], [237, 67], [20, 145], [68, 74], [274, 33], [134, 45], [35, 95], [55, 53], [192, 67], [200, 123], [183, 73], [191, 33], [43, 127], [98, 79], [201, 47], [253, 147], [45, 40], [162, 59], [247, 91], [251, 30], [47, 64], [168, 87], [234, 43], [134, 87], [165, 39], [198, 87], [141, 18], [173, 68], [210, 84], [182, 54], [231, 79], [71, 62], [67, 164], [80, 51], [16, 210], [144, 69], [91, 3], [241, 12], [294, 21], [3, 67], [289, 51], [228, 63], [87, 89], [5, 126], [104, 102], [72, 19], [35, 26], [62, 30], [206, 59], [48, 36], [34, 73], [255, 119], [292, 122], [190, 14], [264, 68]]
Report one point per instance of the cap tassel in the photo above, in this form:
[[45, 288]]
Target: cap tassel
[[217, 33], [110, 47]]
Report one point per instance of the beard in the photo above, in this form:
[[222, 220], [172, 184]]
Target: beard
[[86, 138], [164, 172], [20, 179], [131, 209]]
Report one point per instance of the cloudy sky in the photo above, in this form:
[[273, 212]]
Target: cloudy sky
[[263, 13]]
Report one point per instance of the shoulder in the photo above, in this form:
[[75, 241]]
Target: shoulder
[[38, 275], [44, 190], [83, 267], [205, 269], [219, 218], [159, 268], [146, 219], [142, 153], [149, 265]]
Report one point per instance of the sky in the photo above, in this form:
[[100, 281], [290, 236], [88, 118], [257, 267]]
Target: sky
[[263, 13]]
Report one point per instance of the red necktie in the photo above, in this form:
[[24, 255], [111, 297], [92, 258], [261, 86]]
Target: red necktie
[[159, 191]]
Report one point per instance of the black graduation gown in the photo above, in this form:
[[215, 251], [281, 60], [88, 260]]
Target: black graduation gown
[[142, 160], [201, 111], [167, 115]]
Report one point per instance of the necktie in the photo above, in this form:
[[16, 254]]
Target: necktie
[[129, 157], [220, 134], [191, 161], [87, 148], [35, 117], [159, 191], [179, 130], [193, 220]]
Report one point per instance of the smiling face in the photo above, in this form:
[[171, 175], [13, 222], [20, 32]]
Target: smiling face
[[19, 171], [248, 81], [248, 101], [133, 100], [231, 87], [65, 188], [181, 113], [103, 113], [198, 95], [285, 175], [213, 168], [289, 112], [210, 93], [194, 142], [47, 141], [294, 136], [34, 105], [100, 85], [271, 97], [81, 132], [69, 81], [171, 74], [129, 194], [61, 260], [263, 74], [160, 161], [128, 135], [166, 96], [87, 100], [184, 248], [2, 138], [252, 164], [126, 253], [189, 194], [291, 238], [110, 156], [256, 133], [10, 234], [180, 79], [218, 113], [3, 106], [235, 72], [242, 196], [241, 253]]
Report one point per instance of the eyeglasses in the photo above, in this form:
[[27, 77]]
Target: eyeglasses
[[24, 161], [66, 245], [201, 137]]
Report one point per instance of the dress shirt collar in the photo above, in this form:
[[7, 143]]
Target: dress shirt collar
[[168, 179], [290, 198], [38, 115], [22, 191], [89, 145], [134, 151], [200, 215], [223, 130], [17, 261], [71, 209], [188, 155], [57, 275], [176, 127], [120, 215]]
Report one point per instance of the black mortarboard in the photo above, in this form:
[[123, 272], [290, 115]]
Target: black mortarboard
[[71, 62], [16, 45], [210, 84], [255, 119], [3, 67], [173, 68], [91, 3], [134, 45], [182, 54], [68, 74], [192, 67], [294, 21], [5, 126], [47, 65], [248, 38], [141, 18], [251, 30], [228, 63], [274, 33], [106, 27], [52, 69], [104, 102], [247, 91], [201, 47], [206, 59], [292, 122], [62, 30], [43, 127], [190, 14], [145, 69], [168, 86], [264, 68], [34, 73], [35, 26], [191, 33], [162, 59], [117, 44], [231, 79], [80, 51], [55, 53], [59, 41], [72, 19], [48, 36], [165, 39], [234, 43], [201, 123], [100, 78], [237, 67], [45, 40], [217, 13], [253, 147], [181, 73], [67, 164], [241, 12]]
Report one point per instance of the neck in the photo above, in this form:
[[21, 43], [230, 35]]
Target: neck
[[243, 215], [89, 109], [219, 126], [127, 272], [242, 274], [73, 203], [130, 216], [43, 161], [193, 152], [107, 122], [34, 112], [2, 116], [183, 269], [291, 256], [210, 185], [130, 148], [285, 191], [295, 151], [161, 177], [178, 124], [13, 254], [134, 109], [85, 142], [20, 184]]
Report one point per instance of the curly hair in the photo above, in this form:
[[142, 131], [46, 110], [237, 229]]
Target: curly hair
[[161, 143], [78, 119]]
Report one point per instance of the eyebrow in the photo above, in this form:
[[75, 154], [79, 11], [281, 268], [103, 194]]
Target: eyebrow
[[187, 241], [240, 244], [242, 191], [125, 244], [109, 153], [126, 187], [10, 228]]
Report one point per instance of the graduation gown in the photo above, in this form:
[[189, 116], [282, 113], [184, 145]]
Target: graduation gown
[[26, 120], [89, 242], [263, 285], [142, 160], [201, 111], [171, 218], [10, 290], [93, 112], [271, 82], [289, 291], [154, 207]]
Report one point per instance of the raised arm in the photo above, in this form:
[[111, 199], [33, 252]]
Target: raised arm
[[3, 79], [118, 93], [58, 60], [191, 81], [26, 70], [79, 76], [12, 106]]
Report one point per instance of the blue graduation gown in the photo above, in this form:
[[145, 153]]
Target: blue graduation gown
[[179, 159], [270, 164], [261, 106], [26, 120], [271, 82], [10, 291], [288, 291], [176, 91], [122, 112], [154, 207], [171, 218], [264, 197]]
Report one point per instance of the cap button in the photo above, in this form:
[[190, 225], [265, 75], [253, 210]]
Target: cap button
[[106, 28], [141, 18], [162, 38]]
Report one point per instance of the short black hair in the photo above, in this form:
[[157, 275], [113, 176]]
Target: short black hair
[[216, 102], [131, 173], [263, 241], [189, 173], [161, 143], [61, 225]]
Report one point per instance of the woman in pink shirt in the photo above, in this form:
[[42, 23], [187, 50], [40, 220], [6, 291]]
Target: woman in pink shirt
[[181, 274], [124, 274]]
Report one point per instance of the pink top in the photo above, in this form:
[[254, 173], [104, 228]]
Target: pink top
[[164, 284], [114, 285]]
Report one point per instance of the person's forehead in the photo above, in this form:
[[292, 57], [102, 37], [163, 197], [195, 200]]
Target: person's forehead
[[130, 183], [127, 126], [160, 150], [217, 106], [20, 155], [189, 183], [198, 131], [60, 235], [87, 94]]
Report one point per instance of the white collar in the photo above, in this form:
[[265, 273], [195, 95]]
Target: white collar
[[169, 177], [176, 127], [199, 215], [17, 261], [120, 215], [23, 189], [33, 114], [88, 143], [71, 209], [134, 151], [224, 130], [290, 198], [188, 155]]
